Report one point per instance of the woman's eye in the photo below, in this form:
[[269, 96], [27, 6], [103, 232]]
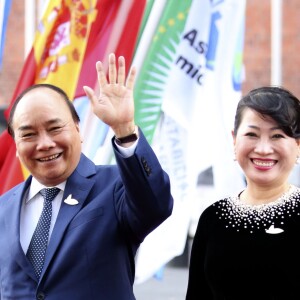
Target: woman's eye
[[277, 136]]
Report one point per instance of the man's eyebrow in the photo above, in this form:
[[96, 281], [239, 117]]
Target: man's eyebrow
[[25, 127], [50, 122]]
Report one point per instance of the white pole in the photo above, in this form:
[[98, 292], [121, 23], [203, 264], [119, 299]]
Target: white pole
[[276, 42], [29, 20], [34, 10]]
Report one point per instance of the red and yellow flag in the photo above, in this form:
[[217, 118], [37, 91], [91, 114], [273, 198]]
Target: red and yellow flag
[[71, 36], [61, 41], [56, 57]]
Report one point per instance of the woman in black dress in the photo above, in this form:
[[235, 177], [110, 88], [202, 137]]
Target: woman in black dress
[[247, 246]]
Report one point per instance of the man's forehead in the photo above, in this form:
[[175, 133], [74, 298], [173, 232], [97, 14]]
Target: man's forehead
[[46, 122], [42, 92], [43, 97], [31, 112]]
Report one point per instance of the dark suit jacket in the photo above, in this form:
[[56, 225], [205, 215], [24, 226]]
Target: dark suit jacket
[[93, 244]]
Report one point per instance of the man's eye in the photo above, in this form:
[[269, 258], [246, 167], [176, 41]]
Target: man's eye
[[27, 135], [56, 128], [252, 134]]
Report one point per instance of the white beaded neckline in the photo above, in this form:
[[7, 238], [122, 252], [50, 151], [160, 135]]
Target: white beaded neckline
[[282, 199], [238, 215]]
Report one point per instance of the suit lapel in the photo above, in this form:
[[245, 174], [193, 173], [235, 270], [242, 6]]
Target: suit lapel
[[12, 224], [79, 186]]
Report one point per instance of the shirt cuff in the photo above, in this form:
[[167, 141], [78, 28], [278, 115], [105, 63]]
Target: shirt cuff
[[127, 152]]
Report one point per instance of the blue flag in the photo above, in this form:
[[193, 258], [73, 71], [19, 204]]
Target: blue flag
[[4, 12]]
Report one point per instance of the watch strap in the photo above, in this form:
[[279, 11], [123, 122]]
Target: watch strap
[[126, 139]]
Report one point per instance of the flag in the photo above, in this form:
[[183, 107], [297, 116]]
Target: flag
[[156, 66], [223, 90], [221, 93], [61, 41], [161, 78], [184, 114], [151, 18], [70, 38], [119, 35], [5, 6], [10, 169], [56, 58]]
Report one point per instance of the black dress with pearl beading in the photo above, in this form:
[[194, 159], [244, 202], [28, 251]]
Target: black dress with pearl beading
[[247, 252]]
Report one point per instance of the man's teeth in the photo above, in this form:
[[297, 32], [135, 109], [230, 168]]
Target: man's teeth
[[263, 163], [49, 157]]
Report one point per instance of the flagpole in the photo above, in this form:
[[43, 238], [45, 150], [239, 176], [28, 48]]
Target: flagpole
[[29, 17], [276, 42]]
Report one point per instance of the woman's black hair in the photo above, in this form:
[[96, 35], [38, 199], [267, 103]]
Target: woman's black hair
[[275, 102], [70, 105]]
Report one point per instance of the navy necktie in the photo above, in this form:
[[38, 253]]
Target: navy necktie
[[39, 241]]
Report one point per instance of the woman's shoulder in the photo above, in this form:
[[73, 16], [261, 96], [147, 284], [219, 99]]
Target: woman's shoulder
[[217, 206]]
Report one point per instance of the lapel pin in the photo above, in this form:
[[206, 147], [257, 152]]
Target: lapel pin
[[71, 201], [274, 230]]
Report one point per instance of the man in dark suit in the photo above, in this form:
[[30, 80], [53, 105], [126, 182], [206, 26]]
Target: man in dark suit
[[100, 215]]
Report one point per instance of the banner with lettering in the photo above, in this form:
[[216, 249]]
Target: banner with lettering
[[223, 91], [165, 97], [186, 101]]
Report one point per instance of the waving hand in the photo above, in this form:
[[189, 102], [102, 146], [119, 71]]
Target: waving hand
[[114, 105]]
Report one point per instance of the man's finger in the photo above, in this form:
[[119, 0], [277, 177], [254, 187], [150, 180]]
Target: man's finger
[[90, 94], [131, 78], [112, 69], [101, 74], [121, 70]]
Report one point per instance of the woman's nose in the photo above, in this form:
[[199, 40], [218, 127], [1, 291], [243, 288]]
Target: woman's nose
[[264, 146]]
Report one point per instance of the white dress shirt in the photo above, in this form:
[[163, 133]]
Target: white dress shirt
[[33, 202], [32, 208]]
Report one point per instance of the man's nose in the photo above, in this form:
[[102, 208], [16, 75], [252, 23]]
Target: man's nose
[[45, 142]]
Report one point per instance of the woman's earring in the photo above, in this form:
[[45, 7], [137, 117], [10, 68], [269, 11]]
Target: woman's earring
[[298, 160], [234, 156]]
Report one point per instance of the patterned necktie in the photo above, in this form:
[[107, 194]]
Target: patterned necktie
[[39, 241]]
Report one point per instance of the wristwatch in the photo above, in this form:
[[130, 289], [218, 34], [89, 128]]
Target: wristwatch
[[127, 139]]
